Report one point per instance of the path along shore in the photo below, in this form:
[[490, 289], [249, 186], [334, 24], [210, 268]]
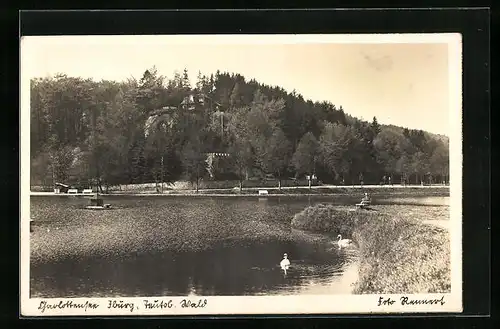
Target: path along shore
[[319, 190]]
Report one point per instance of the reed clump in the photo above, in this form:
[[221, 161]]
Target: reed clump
[[331, 219]]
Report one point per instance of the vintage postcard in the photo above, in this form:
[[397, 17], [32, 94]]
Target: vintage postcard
[[241, 174]]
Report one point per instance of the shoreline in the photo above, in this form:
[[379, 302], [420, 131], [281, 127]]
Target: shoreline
[[272, 192]]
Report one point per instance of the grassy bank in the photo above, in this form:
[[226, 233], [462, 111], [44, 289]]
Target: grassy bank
[[398, 253]]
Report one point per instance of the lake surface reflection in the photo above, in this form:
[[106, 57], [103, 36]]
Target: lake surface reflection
[[174, 246]]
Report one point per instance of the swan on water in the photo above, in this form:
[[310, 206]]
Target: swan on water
[[343, 242], [285, 263]]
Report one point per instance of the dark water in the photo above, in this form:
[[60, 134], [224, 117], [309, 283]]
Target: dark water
[[171, 246]]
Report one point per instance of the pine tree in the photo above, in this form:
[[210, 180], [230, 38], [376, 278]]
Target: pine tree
[[375, 126], [235, 100]]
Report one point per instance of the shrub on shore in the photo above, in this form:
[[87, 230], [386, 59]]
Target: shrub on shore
[[396, 255], [331, 219]]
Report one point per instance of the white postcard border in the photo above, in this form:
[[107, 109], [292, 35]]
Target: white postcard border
[[215, 305]]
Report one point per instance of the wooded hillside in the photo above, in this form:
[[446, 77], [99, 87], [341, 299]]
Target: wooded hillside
[[85, 132]]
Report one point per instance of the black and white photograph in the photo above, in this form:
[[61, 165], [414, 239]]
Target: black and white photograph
[[241, 174]]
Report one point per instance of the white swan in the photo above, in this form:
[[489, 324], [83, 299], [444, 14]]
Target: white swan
[[285, 263], [343, 242]]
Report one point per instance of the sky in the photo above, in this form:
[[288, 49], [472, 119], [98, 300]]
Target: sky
[[401, 83]]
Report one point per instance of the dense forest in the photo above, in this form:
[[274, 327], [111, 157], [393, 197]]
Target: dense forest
[[88, 133]]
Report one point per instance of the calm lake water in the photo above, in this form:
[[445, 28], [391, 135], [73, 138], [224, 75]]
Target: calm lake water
[[174, 246]]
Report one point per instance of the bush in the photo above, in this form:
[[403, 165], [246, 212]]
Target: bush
[[331, 219]]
